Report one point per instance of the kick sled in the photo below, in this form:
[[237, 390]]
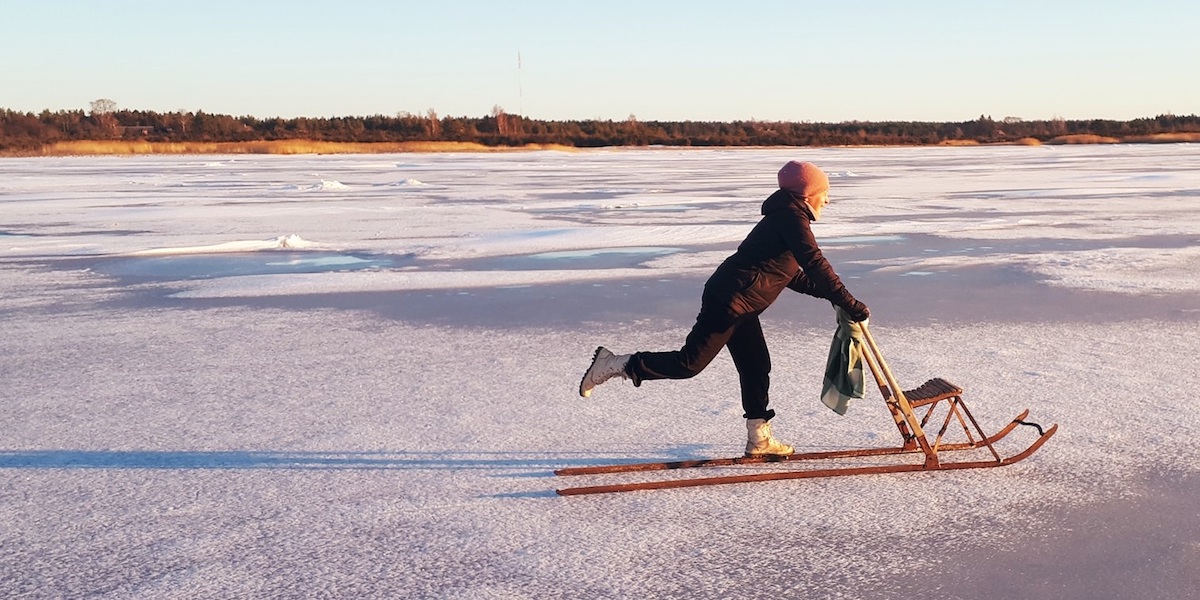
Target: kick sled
[[960, 443]]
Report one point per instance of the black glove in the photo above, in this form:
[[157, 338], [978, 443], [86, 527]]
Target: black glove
[[858, 312]]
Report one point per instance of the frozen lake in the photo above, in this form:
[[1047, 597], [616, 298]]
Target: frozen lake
[[353, 376]]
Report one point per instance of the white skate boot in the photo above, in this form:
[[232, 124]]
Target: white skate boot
[[760, 442], [605, 366]]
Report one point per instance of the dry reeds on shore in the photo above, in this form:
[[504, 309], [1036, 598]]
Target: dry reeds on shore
[[1083, 138], [1164, 138], [140, 147], [1157, 138], [123, 147]]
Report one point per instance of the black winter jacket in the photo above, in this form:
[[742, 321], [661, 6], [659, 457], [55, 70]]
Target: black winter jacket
[[779, 252]]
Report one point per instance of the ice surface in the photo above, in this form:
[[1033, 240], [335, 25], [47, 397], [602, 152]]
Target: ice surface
[[352, 376]]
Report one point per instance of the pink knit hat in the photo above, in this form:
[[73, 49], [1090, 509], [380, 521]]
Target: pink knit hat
[[803, 178]]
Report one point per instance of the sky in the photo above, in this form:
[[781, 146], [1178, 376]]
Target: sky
[[931, 60]]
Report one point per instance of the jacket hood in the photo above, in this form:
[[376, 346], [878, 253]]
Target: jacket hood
[[784, 200]]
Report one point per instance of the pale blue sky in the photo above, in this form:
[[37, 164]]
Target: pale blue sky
[[933, 60]]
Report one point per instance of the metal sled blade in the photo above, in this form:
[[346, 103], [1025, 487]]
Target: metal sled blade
[[809, 474], [751, 460]]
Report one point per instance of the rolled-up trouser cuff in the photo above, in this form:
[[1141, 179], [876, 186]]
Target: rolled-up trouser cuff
[[766, 416], [632, 372]]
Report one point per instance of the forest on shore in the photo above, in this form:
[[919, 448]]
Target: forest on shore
[[105, 129]]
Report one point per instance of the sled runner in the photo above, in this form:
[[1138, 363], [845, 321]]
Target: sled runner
[[940, 401]]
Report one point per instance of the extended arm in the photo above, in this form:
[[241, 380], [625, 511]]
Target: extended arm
[[816, 276]]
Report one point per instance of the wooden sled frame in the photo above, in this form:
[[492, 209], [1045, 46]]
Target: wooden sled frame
[[930, 396]]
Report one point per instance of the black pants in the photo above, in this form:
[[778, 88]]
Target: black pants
[[742, 335]]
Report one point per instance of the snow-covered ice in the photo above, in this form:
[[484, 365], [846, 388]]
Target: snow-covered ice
[[353, 376]]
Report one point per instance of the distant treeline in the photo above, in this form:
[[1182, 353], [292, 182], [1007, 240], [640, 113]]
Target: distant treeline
[[27, 133]]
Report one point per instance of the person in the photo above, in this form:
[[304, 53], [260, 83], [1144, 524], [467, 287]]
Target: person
[[779, 252]]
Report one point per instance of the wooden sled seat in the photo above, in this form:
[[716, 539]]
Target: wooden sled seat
[[932, 391]]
